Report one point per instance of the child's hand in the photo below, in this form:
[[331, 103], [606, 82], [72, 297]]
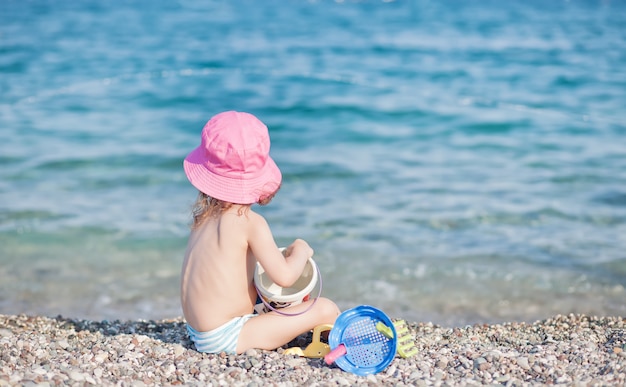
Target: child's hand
[[299, 246]]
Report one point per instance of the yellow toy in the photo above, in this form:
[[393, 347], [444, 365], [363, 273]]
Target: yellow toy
[[406, 346], [316, 349]]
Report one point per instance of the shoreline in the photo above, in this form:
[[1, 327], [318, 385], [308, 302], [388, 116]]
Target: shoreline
[[562, 350]]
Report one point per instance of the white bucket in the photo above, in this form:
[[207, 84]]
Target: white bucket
[[277, 296]]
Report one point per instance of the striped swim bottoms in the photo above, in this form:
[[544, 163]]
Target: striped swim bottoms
[[220, 339]]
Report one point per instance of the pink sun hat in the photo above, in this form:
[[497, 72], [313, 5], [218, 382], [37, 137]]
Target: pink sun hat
[[232, 162]]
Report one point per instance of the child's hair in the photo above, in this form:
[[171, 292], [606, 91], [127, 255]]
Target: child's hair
[[207, 207]]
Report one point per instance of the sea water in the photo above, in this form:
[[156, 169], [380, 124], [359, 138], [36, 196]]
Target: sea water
[[449, 161]]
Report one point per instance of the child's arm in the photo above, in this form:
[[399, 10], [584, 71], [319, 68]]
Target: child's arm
[[283, 270]]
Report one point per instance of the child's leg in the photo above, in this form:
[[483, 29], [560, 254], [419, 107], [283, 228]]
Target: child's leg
[[271, 330]]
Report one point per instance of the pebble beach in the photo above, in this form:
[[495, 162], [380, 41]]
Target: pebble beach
[[576, 350]]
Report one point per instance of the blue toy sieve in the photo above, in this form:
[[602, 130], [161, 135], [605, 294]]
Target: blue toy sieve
[[356, 344]]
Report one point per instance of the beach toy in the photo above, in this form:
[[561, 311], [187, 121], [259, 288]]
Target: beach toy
[[356, 344], [406, 346], [275, 297], [316, 349]]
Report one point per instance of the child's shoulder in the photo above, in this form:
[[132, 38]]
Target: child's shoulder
[[255, 216], [255, 219]]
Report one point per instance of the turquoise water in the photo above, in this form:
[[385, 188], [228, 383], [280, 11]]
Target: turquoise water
[[449, 161]]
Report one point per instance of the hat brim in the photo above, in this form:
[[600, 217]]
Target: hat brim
[[240, 190]]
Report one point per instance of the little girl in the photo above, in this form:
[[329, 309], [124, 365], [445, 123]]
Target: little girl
[[232, 170]]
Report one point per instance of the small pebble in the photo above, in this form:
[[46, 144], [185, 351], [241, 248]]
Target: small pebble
[[77, 376], [523, 362]]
